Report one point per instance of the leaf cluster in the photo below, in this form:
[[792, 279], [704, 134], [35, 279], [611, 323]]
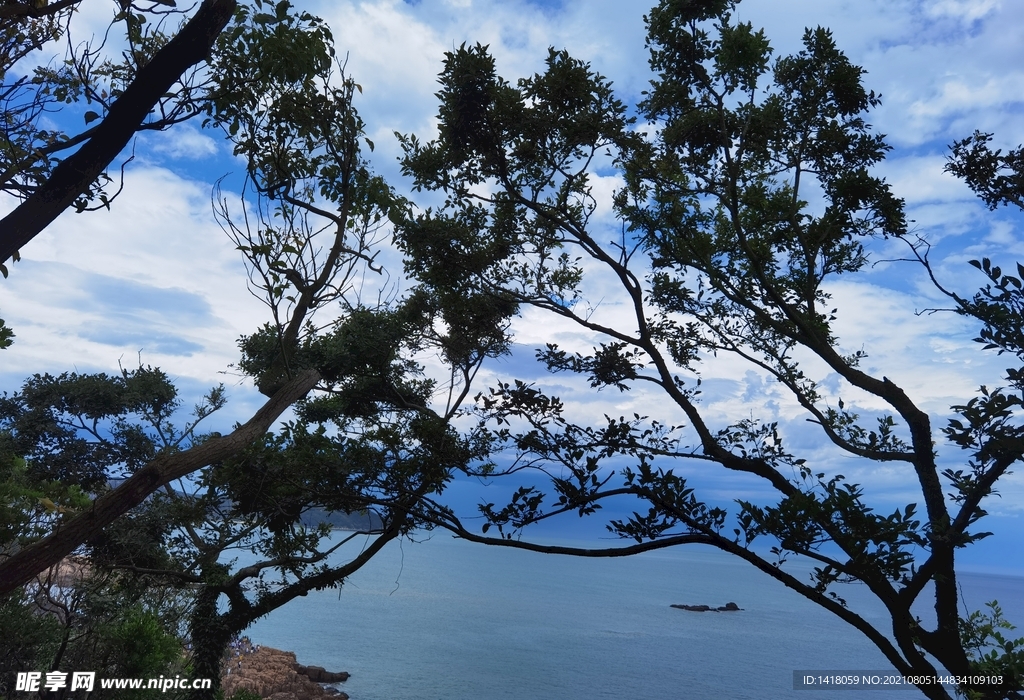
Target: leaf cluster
[[76, 428], [984, 634], [996, 177]]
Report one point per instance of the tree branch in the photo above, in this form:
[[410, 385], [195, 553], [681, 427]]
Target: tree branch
[[73, 176], [24, 10]]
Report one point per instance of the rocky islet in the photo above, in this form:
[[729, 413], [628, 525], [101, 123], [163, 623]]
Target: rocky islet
[[728, 607]]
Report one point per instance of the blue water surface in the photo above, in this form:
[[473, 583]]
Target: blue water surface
[[444, 619]]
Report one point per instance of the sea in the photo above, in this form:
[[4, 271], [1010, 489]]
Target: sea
[[444, 619]]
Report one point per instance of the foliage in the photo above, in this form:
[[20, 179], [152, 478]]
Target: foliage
[[989, 428], [178, 540], [296, 128], [82, 621], [996, 177], [29, 640], [32, 147], [749, 190], [150, 471], [73, 428], [983, 634], [718, 251], [29, 507]]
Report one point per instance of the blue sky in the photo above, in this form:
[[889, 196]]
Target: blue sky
[[156, 278]]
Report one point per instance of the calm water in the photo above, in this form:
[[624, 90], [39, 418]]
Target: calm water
[[448, 620]]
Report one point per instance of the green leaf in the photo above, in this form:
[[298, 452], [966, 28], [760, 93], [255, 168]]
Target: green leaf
[[91, 116]]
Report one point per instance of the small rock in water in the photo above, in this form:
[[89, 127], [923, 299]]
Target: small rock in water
[[728, 607]]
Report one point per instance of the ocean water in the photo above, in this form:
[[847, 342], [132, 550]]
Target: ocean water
[[444, 619]]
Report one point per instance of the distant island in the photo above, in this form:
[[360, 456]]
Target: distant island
[[365, 520]]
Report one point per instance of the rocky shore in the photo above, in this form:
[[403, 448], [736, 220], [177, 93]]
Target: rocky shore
[[276, 675]]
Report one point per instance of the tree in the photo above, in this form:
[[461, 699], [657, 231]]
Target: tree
[[77, 431], [369, 438], [268, 34], [720, 252], [6, 335], [18, 568], [90, 620], [76, 615], [125, 94], [284, 28]]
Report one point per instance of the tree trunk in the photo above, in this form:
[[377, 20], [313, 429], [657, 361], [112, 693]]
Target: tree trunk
[[210, 638]]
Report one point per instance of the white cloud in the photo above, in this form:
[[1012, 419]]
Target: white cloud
[[921, 179], [185, 142], [160, 239], [965, 10], [930, 355]]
